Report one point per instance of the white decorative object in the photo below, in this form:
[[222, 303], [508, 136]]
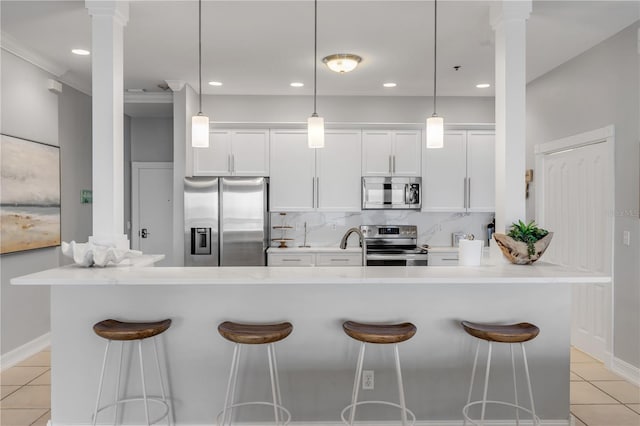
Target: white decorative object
[[470, 252], [90, 254]]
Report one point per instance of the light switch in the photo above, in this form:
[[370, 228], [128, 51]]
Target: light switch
[[626, 238]]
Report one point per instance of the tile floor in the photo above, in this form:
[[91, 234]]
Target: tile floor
[[598, 397]]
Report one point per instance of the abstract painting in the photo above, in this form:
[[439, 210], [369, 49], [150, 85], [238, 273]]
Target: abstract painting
[[30, 195]]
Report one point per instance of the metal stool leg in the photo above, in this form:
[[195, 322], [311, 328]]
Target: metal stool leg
[[164, 395], [274, 394], [515, 385], [473, 375], [104, 365], [526, 370], [231, 383], [486, 385], [115, 416], [144, 387], [275, 369], [356, 383], [403, 405]]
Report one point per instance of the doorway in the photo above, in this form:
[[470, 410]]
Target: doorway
[[575, 200], [152, 209]]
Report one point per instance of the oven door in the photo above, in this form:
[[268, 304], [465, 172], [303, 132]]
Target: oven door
[[405, 259]]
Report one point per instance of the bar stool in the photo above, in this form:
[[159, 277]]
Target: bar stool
[[114, 330], [512, 333], [378, 334], [254, 334]]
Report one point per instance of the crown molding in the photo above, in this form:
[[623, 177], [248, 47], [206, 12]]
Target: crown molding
[[148, 98], [11, 45]]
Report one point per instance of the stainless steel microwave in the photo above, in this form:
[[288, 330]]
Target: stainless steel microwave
[[391, 193]]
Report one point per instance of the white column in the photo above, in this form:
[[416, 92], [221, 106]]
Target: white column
[[108, 19], [508, 19]]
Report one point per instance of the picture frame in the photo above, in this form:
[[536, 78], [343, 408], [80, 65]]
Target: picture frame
[[29, 195]]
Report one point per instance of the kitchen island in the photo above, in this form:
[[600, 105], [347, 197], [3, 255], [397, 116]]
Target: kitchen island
[[317, 361]]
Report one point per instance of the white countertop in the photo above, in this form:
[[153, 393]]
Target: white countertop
[[380, 275]]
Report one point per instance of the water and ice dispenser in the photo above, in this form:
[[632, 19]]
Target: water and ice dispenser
[[200, 241]]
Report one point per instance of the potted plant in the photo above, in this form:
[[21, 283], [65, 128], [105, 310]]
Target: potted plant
[[525, 243]]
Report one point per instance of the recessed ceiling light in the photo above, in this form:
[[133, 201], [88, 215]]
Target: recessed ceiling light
[[80, 52], [483, 85], [389, 84], [297, 84], [215, 83]]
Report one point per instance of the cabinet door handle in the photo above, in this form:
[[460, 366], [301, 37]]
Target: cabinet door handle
[[468, 193], [229, 162], [291, 260], [339, 260], [390, 167], [233, 163], [394, 164], [317, 192], [464, 200], [313, 192], [446, 258]]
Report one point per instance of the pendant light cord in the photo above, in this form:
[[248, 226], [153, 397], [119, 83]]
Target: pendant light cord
[[435, 47], [315, 54], [200, 54]]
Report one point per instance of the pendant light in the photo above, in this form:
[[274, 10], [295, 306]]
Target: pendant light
[[200, 122], [315, 124], [435, 124]]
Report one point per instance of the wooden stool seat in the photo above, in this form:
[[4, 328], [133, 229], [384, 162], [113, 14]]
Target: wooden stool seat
[[511, 333], [118, 330], [254, 334], [379, 333]]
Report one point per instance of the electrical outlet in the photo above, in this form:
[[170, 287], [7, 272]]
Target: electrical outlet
[[367, 379], [333, 226]]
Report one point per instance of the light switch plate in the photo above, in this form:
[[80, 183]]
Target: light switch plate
[[626, 238]]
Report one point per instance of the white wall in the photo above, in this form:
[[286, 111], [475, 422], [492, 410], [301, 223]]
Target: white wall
[[359, 109], [598, 88], [30, 111]]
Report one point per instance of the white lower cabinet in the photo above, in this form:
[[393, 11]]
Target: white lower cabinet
[[311, 258], [443, 258]]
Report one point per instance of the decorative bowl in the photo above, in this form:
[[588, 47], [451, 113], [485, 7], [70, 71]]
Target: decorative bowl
[[517, 252]]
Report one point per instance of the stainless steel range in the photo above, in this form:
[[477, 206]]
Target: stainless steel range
[[393, 245]]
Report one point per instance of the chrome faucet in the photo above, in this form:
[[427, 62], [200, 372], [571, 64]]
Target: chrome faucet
[[363, 242]]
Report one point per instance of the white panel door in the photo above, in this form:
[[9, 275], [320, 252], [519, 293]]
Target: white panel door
[[338, 171], [481, 171], [250, 153], [292, 185], [445, 174], [152, 209], [407, 153], [376, 153], [215, 160], [578, 197]]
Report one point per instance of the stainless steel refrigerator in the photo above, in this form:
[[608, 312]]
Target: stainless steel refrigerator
[[226, 221]]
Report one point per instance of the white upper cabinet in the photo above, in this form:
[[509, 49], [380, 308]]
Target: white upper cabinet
[[481, 175], [233, 153], [323, 179], [338, 171], [292, 184], [391, 153], [461, 175]]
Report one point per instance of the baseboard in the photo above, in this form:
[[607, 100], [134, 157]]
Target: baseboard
[[626, 370], [523, 422], [25, 351]]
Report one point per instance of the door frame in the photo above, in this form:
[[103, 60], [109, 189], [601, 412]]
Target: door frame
[[605, 135], [136, 166]]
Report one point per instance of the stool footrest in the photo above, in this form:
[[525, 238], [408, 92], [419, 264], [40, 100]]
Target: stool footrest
[[156, 400], [350, 407], [269, 404], [465, 411]]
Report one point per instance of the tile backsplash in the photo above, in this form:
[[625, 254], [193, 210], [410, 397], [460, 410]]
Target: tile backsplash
[[326, 229]]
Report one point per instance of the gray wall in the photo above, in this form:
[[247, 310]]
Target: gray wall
[[30, 111], [151, 139], [598, 88], [359, 109]]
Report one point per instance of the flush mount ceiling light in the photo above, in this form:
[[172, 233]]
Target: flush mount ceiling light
[[200, 122], [483, 85], [342, 62], [215, 83], [315, 124], [80, 52], [435, 124]]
